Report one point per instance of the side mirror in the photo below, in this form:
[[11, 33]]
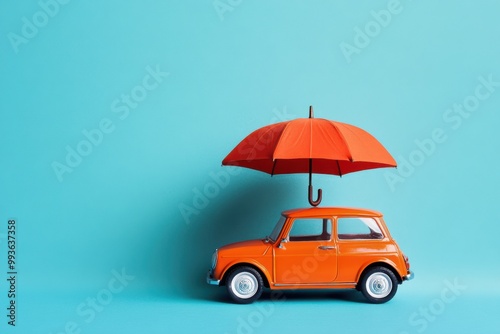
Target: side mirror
[[281, 243]]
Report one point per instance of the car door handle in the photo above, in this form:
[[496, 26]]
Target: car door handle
[[326, 247]]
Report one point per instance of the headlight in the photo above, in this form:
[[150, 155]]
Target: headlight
[[214, 259]]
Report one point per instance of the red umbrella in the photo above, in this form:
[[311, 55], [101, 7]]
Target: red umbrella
[[310, 145]]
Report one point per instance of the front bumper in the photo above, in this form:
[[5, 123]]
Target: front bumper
[[410, 276], [211, 280]]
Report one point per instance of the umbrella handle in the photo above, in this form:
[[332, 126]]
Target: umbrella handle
[[320, 196]]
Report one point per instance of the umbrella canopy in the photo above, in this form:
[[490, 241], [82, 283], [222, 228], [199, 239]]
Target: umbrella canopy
[[310, 145]]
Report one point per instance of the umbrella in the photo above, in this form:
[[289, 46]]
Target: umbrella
[[310, 145]]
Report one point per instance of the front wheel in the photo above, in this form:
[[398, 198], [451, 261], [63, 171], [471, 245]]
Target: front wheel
[[379, 285], [244, 285]]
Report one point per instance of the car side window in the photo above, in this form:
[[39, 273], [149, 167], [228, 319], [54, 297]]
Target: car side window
[[358, 228], [310, 229]]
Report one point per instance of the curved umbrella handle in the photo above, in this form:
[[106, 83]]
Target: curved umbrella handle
[[320, 196]]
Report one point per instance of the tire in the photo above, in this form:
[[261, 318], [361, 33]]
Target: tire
[[244, 285], [379, 285]]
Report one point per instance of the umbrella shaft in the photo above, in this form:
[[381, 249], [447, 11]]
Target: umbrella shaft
[[310, 171]]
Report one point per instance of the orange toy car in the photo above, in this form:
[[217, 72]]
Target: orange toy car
[[315, 248]]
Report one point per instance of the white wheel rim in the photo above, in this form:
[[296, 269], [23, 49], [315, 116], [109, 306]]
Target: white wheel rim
[[244, 285], [379, 285]]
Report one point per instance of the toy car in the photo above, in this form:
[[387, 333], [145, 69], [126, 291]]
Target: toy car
[[315, 248]]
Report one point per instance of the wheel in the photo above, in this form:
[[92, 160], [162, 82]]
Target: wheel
[[244, 285], [379, 285]]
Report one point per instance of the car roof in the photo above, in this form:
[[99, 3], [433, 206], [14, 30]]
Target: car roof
[[330, 211]]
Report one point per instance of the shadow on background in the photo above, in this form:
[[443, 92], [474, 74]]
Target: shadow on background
[[299, 296], [250, 212]]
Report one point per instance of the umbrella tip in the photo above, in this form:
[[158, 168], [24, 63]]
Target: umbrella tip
[[311, 112]]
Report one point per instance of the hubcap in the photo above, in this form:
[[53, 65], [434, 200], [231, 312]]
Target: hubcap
[[244, 285], [379, 285]]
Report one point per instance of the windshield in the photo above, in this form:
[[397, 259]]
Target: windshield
[[277, 229]]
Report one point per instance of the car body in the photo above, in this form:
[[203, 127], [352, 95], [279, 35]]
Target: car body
[[315, 248]]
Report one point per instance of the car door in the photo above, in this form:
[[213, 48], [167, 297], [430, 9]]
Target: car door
[[308, 254], [360, 240]]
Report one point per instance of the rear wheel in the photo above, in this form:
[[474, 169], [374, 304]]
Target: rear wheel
[[379, 285], [244, 285]]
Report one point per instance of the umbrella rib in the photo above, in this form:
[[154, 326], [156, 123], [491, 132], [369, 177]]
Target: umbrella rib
[[343, 140], [348, 127], [270, 128], [279, 140]]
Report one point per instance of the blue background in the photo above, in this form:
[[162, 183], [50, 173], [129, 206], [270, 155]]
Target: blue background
[[234, 66]]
